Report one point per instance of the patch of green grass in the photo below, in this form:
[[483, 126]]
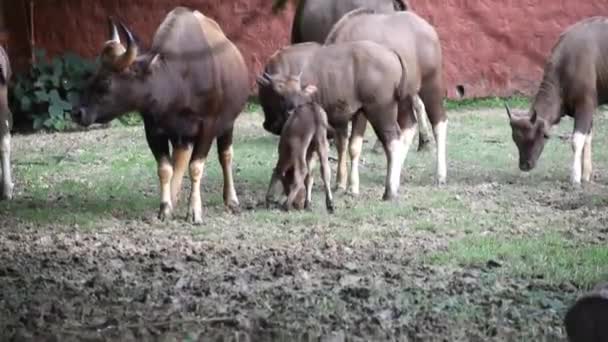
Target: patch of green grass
[[549, 256], [487, 102]]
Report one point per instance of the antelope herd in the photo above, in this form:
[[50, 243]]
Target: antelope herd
[[350, 62]]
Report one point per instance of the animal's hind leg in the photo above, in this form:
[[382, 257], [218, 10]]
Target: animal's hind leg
[[424, 139], [323, 151], [309, 180], [359, 124], [587, 164], [299, 173], [407, 123], [389, 134], [341, 144], [159, 145], [431, 95], [197, 166], [225, 153], [582, 133]]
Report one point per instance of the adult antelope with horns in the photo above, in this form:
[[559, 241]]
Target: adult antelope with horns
[[189, 89]]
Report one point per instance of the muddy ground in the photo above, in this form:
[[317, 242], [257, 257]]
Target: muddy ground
[[79, 262]]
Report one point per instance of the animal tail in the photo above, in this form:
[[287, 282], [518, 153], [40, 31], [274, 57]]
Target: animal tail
[[401, 92]]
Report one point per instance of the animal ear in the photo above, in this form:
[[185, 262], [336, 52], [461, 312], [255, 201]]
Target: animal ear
[[310, 89]]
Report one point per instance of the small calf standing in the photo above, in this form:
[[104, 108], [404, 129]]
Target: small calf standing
[[304, 133], [6, 122]]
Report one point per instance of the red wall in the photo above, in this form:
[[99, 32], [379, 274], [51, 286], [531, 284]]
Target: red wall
[[490, 47]]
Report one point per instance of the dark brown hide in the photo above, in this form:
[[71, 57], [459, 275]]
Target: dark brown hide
[[574, 83], [189, 87]]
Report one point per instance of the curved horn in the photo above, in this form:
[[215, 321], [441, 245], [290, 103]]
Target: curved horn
[[508, 110], [114, 36], [127, 58]]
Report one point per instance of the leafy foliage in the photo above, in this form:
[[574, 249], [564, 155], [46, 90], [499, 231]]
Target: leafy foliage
[[46, 94]]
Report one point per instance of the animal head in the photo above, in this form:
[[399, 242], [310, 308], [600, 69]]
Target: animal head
[[529, 132], [283, 94], [117, 83]]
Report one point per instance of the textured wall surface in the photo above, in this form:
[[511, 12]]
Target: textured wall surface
[[490, 47]]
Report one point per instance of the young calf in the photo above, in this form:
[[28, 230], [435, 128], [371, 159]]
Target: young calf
[[304, 133]]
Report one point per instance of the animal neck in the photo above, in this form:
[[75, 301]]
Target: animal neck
[[548, 100]]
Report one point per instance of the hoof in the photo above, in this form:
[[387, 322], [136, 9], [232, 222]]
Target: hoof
[[234, 207], [576, 185], [330, 207], [389, 196], [307, 205], [195, 216], [339, 190], [440, 182], [164, 213], [424, 146], [354, 193]]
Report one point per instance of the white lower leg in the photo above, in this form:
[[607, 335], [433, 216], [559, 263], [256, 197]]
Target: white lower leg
[[230, 198], [587, 164], [165, 172], [342, 166], [181, 157], [578, 143], [5, 151], [356, 144], [395, 162], [407, 137], [421, 115], [309, 181], [441, 131], [196, 175]]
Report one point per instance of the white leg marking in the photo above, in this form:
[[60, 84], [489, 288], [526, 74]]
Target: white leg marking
[[407, 137], [309, 181], [7, 183], [421, 115], [196, 206], [578, 143], [181, 157], [165, 172], [230, 198], [441, 131], [587, 163], [395, 162], [356, 144], [341, 143]]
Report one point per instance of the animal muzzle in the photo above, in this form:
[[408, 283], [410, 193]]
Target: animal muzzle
[[526, 165], [273, 127]]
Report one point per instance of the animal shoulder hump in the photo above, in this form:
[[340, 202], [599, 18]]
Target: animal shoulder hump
[[339, 26]]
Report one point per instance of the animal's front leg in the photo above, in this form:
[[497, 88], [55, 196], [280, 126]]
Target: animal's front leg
[[272, 187], [225, 153], [587, 164], [341, 144], [181, 158], [197, 166], [5, 152], [578, 144], [159, 145], [299, 172], [323, 151]]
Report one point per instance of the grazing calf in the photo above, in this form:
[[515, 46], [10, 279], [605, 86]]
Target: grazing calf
[[189, 88], [304, 133], [6, 123], [575, 83]]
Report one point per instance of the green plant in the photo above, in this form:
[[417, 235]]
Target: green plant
[[47, 92]]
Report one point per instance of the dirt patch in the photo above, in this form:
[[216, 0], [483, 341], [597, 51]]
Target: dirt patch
[[132, 284]]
